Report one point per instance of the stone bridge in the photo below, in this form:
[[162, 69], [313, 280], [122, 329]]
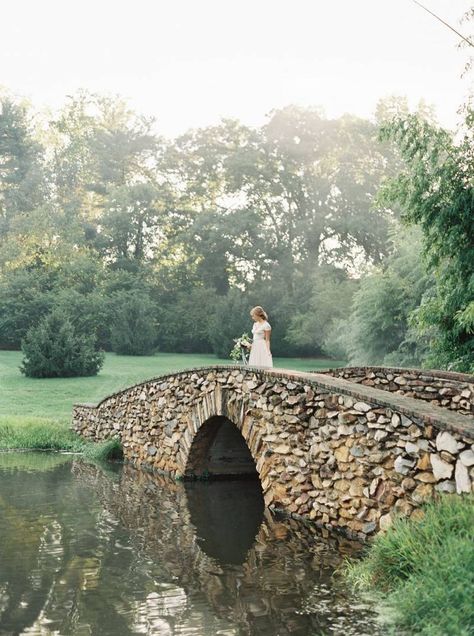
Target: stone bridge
[[345, 448]]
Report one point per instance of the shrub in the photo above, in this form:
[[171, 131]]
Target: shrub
[[134, 325], [53, 349]]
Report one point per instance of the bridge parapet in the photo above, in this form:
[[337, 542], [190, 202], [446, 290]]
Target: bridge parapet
[[454, 391], [344, 455]]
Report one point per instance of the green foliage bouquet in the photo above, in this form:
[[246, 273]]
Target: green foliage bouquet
[[241, 346]]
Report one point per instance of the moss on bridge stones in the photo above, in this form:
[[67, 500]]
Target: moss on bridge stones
[[346, 456]]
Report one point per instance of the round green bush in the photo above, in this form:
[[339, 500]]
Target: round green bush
[[54, 349]]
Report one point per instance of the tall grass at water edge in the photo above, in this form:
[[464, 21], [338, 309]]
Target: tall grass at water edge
[[423, 570], [38, 433], [42, 434]]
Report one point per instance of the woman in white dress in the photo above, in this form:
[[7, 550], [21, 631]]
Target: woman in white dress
[[260, 354]]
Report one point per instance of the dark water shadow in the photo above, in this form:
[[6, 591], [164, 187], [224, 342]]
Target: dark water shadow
[[227, 516]]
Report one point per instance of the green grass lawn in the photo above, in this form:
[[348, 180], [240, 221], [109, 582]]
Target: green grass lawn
[[22, 397]]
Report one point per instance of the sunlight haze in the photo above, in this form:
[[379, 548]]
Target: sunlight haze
[[190, 63]]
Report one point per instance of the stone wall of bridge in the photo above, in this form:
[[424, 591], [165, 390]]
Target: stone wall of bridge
[[344, 455], [453, 391]]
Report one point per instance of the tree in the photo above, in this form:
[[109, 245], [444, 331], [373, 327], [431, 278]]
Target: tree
[[134, 324], [100, 147], [379, 329], [435, 190], [23, 188], [330, 301], [281, 199], [20, 163], [130, 224]]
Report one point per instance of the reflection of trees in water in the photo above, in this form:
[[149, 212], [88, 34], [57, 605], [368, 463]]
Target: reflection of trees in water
[[51, 550], [31, 546], [128, 552]]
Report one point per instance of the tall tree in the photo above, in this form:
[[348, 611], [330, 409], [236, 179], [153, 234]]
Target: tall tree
[[100, 148], [436, 191], [296, 193], [131, 221], [22, 185]]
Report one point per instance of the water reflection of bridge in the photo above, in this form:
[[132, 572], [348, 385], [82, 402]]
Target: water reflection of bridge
[[270, 576], [117, 551]]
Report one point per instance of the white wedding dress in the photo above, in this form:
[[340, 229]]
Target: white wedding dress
[[259, 353]]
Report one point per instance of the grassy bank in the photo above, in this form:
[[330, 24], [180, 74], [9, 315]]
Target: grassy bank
[[43, 434], [36, 413], [423, 571], [38, 433]]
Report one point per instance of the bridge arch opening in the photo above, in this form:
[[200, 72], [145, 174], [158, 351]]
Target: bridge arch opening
[[219, 451]]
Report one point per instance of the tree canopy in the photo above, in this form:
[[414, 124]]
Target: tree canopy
[[114, 225]]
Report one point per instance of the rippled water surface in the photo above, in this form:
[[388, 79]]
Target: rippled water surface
[[92, 550]]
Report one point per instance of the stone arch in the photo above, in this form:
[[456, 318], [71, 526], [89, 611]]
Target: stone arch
[[219, 450], [218, 408], [338, 451]]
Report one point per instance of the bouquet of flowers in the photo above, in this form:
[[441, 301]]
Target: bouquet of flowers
[[241, 347]]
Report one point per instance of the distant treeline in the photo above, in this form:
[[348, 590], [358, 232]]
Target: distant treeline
[[156, 244]]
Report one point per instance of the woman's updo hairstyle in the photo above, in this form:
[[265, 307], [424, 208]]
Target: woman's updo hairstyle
[[258, 311]]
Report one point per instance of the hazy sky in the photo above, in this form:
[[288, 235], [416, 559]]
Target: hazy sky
[[190, 62]]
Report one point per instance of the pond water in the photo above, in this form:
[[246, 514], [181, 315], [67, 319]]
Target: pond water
[[88, 550]]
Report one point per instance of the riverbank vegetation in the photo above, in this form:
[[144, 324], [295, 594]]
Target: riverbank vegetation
[[30, 433], [423, 571], [38, 433]]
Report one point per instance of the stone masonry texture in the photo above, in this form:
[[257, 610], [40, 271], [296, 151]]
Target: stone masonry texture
[[341, 453], [453, 391]]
